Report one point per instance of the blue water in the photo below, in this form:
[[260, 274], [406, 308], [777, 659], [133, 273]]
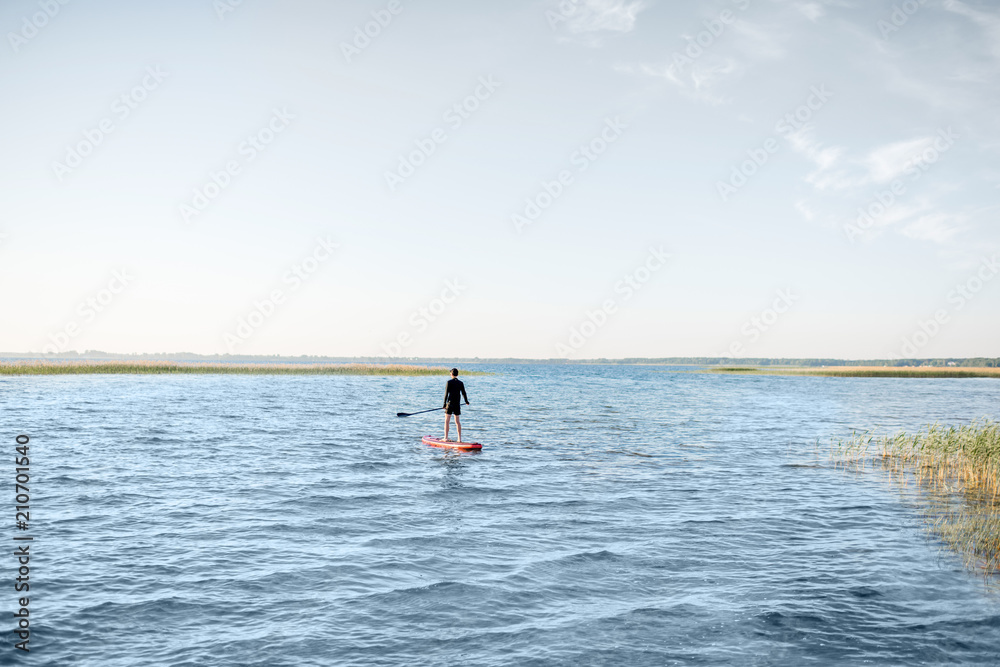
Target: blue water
[[616, 516]]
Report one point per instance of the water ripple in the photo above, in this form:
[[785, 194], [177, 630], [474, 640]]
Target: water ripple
[[632, 516]]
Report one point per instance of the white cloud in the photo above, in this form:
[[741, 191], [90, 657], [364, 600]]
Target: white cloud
[[759, 41], [936, 227], [604, 15], [696, 80], [919, 219], [802, 207], [834, 172], [832, 181], [705, 75], [698, 65], [988, 22], [811, 10], [825, 158], [967, 57], [899, 213], [887, 162]]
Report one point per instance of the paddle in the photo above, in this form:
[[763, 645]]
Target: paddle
[[410, 414]]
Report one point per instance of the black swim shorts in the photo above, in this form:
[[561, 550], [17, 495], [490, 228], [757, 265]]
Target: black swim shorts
[[453, 409]]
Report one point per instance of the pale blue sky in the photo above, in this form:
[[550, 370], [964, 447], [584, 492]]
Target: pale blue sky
[[683, 126]]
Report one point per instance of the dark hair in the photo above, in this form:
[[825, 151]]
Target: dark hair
[[454, 372]]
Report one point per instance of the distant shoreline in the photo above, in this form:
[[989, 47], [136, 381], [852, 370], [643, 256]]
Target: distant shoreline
[[19, 368], [149, 367], [185, 357]]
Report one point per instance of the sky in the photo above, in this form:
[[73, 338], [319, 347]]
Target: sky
[[537, 179]]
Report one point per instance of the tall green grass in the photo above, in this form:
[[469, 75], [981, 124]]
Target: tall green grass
[[904, 373], [174, 368], [957, 469]]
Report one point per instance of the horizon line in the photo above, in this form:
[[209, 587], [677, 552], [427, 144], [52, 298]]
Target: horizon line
[[676, 360]]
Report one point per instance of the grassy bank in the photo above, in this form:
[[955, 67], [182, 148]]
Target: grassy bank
[[957, 469], [868, 371], [179, 368]]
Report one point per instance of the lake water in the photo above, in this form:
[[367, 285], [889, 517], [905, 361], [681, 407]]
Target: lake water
[[616, 516]]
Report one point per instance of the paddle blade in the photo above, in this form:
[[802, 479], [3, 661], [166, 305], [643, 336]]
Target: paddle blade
[[402, 414]]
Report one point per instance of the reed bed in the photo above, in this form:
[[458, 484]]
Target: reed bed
[[873, 371], [957, 470], [49, 367]]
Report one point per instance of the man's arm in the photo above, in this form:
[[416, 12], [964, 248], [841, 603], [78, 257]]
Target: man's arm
[[464, 395], [445, 396]]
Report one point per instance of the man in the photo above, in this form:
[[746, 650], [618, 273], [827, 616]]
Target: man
[[453, 394]]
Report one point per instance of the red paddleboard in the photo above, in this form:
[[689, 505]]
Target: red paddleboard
[[450, 444]]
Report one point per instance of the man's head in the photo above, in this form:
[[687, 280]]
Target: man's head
[[454, 372]]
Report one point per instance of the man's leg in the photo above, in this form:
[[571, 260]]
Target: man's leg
[[447, 424], [458, 423]]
